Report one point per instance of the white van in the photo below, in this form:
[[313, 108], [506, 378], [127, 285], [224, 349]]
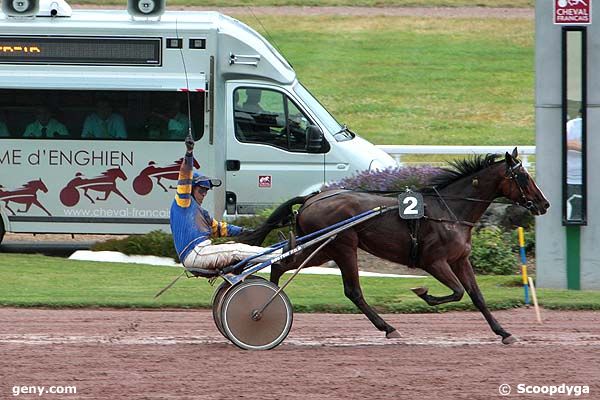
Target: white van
[[95, 105]]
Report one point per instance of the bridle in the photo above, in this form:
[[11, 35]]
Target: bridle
[[513, 175]]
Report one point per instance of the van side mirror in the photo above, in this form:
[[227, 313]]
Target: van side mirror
[[314, 139]]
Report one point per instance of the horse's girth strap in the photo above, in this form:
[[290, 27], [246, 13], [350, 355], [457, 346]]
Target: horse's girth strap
[[413, 230]]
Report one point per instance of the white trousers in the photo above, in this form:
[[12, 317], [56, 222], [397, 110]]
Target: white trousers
[[208, 256]]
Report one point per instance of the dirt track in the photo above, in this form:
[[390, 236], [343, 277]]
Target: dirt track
[[114, 354]]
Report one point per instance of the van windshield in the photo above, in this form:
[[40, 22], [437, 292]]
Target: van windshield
[[324, 116]]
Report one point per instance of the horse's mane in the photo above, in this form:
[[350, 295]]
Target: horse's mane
[[459, 169], [109, 172]]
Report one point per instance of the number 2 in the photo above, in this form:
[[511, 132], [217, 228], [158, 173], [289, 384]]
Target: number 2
[[411, 208]]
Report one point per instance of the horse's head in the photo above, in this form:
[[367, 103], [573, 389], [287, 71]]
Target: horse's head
[[519, 187], [37, 185], [115, 173]]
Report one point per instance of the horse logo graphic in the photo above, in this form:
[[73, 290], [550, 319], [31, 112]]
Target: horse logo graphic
[[142, 184], [26, 194], [265, 181], [105, 183], [572, 3]]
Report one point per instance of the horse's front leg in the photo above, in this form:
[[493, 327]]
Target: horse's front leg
[[464, 272], [37, 203], [441, 271], [117, 191]]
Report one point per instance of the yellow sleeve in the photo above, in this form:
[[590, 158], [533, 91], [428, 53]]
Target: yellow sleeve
[[183, 197]]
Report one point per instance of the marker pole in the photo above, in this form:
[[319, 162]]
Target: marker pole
[[523, 264]]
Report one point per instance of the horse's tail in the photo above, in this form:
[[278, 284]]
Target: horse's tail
[[282, 216]]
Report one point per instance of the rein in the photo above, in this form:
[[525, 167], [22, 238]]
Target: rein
[[511, 174], [388, 193]]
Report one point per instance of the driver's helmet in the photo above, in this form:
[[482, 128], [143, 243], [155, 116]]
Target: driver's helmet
[[204, 181]]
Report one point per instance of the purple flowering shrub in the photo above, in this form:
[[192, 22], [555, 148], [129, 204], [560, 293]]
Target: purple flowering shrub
[[389, 179]]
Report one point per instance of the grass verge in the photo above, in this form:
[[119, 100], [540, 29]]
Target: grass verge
[[416, 80], [39, 281]]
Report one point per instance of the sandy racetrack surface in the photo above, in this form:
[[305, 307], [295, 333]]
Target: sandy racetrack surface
[[179, 354]]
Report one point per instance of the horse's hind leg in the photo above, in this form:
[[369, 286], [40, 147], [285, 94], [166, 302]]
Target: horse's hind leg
[[85, 193], [464, 272], [8, 208], [277, 270], [345, 258], [163, 186], [441, 271]]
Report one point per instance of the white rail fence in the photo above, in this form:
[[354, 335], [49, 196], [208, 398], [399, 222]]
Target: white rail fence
[[398, 151]]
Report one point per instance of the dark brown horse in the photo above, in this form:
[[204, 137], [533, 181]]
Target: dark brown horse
[[455, 201]]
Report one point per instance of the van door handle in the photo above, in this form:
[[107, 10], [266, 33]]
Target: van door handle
[[232, 165]]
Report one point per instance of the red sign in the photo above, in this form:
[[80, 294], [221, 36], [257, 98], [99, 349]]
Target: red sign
[[573, 12], [264, 181]]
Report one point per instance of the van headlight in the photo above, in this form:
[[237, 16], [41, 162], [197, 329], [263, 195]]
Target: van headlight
[[376, 165]]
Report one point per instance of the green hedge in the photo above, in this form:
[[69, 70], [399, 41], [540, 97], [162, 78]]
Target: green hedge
[[491, 253], [155, 243]]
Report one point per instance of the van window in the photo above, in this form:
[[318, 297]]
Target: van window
[[100, 115], [269, 117]]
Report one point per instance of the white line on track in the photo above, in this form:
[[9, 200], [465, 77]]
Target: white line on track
[[30, 339]]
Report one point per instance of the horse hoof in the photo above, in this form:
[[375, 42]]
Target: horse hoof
[[393, 335], [419, 291], [509, 339]]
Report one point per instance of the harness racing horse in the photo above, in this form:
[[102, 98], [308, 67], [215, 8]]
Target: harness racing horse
[[27, 195], [455, 201], [105, 183]]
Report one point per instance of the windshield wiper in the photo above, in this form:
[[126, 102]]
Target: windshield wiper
[[341, 131], [344, 134]]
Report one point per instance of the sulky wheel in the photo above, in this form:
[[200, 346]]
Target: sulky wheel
[[248, 328], [217, 301]]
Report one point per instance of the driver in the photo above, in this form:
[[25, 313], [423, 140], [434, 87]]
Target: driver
[[192, 225]]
